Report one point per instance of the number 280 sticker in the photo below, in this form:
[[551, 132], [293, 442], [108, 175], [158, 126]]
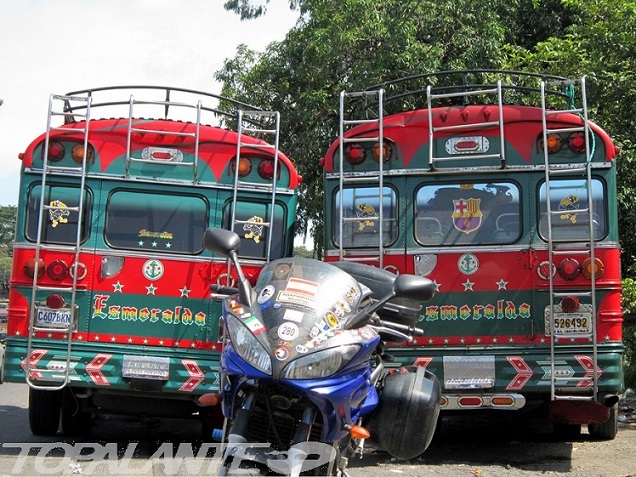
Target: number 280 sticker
[[288, 331]]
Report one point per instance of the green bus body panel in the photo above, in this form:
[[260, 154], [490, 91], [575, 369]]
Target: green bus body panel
[[100, 365]]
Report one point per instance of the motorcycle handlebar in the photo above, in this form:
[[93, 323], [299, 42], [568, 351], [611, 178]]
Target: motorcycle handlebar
[[223, 290], [406, 329]]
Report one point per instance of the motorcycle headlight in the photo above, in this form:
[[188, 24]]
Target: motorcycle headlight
[[320, 364], [247, 346]]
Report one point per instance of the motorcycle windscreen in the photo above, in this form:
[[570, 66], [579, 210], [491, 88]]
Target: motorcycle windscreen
[[304, 305]]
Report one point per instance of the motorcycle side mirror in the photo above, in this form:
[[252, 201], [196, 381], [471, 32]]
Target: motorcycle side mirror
[[227, 243], [413, 287], [222, 242]]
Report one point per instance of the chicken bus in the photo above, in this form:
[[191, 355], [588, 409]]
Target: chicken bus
[[498, 187], [109, 308]]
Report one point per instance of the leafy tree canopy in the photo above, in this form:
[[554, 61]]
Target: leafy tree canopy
[[352, 44]]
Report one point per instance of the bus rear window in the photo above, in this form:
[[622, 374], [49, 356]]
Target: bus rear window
[[251, 219], [569, 200], [468, 214], [159, 222], [360, 217], [60, 220]]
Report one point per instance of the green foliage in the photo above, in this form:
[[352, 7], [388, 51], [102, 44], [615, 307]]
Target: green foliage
[[629, 332]]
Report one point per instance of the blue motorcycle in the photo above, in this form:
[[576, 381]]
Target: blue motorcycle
[[303, 381]]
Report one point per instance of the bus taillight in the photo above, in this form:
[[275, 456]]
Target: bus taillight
[[56, 151], [79, 155], [29, 267], [588, 270], [569, 304], [266, 169], [57, 270], [576, 143], [386, 148], [554, 143], [55, 301], [569, 269], [244, 166], [355, 154]]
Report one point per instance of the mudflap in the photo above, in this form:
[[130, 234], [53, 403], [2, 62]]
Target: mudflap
[[577, 412], [406, 417]]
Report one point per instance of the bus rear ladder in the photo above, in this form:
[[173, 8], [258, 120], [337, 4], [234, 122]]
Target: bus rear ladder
[[57, 373], [253, 123], [562, 388], [351, 178]]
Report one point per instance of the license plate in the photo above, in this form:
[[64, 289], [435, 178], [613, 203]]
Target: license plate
[[58, 318], [147, 367], [569, 324]]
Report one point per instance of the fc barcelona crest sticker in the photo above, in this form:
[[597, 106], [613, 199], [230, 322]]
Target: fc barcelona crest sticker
[[467, 215]]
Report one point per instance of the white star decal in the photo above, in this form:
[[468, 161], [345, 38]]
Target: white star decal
[[117, 287], [462, 341], [151, 289], [141, 243], [501, 284], [168, 245], [185, 292], [437, 285], [154, 244], [113, 339], [130, 340], [96, 337], [468, 285], [161, 342], [145, 341], [478, 340], [494, 340]]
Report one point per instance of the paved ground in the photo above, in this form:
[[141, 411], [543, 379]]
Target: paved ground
[[496, 446]]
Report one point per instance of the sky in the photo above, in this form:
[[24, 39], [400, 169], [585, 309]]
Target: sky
[[56, 46]]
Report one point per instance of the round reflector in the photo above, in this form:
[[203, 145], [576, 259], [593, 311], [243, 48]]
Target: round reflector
[[78, 268], [57, 270]]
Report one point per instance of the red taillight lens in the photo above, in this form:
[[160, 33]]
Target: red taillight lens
[[569, 304], [57, 270], [470, 401], [266, 169], [56, 151], [355, 154], [29, 267], [55, 301], [79, 155], [569, 269], [386, 150], [588, 269], [554, 143], [576, 143]]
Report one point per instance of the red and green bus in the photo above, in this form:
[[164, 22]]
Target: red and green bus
[[109, 308], [498, 187]]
